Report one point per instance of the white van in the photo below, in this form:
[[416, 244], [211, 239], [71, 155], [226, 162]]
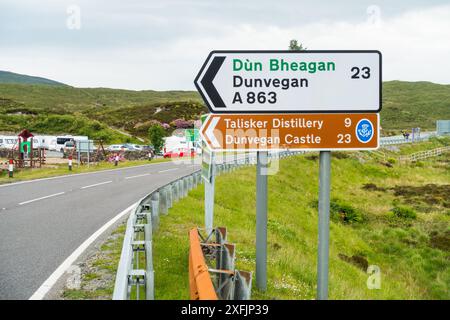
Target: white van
[[58, 143]]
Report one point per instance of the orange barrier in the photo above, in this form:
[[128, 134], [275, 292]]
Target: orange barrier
[[200, 283]]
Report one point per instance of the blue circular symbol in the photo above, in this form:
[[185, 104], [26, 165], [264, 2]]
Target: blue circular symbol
[[364, 130]]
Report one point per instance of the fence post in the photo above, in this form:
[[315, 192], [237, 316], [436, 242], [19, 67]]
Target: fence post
[[163, 200], [169, 196], [176, 191], [155, 210]]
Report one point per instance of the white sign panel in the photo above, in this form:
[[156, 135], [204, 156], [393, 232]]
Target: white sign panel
[[291, 81]]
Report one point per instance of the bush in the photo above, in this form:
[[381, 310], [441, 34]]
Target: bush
[[342, 212], [419, 164], [404, 212], [391, 160]]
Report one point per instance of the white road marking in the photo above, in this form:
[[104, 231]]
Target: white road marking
[[79, 174], [97, 184], [41, 198], [137, 176], [167, 170], [50, 282]]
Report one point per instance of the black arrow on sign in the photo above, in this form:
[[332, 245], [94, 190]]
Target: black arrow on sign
[[207, 82]]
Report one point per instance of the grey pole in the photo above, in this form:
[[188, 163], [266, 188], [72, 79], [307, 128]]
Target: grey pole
[[209, 199], [324, 224], [261, 220], [89, 148]]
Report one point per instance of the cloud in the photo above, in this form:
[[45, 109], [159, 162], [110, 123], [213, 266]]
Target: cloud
[[163, 49]]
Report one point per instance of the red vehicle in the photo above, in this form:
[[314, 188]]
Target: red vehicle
[[178, 153]]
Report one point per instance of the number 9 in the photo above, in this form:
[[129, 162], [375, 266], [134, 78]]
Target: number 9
[[348, 122]]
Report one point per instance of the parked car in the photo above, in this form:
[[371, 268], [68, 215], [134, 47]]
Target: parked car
[[133, 147], [145, 148], [69, 146], [117, 147]]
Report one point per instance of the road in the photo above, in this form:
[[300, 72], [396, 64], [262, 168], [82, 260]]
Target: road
[[42, 222]]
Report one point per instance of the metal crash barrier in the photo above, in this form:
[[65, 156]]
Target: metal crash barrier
[[212, 273], [135, 274]]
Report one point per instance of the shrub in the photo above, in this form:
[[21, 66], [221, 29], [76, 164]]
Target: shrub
[[419, 164], [342, 212], [391, 160], [404, 212]]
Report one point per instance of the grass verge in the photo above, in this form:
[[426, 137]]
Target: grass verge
[[372, 224]]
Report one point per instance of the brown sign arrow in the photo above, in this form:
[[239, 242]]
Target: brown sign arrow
[[257, 132]]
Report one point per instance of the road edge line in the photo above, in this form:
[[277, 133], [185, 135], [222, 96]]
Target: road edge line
[[42, 291]]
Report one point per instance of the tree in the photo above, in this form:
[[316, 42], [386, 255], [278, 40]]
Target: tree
[[295, 46], [156, 133]]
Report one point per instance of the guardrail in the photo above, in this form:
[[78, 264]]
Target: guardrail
[[401, 140], [212, 273], [135, 274], [200, 282]]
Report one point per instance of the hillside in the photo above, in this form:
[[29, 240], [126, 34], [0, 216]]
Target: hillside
[[414, 104], [92, 111], [11, 77], [57, 109]]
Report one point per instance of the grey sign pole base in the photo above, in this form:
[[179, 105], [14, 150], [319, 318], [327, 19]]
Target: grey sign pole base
[[209, 201], [324, 224], [261, 220]]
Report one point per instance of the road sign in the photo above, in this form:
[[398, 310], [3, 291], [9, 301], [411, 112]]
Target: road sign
[[291, 81], [258, 132], [85, 145], [192, 135]]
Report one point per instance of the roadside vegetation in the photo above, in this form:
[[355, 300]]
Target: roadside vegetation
[[396, 217]]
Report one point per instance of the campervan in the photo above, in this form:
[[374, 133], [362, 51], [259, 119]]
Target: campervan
[[9, 142], [174, 143], [57, 144], [43, 141]]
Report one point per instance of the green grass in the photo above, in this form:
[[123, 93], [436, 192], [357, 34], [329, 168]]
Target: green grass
[[411, 253], [62, 169]]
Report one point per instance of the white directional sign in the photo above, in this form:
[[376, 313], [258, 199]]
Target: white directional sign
[[291, 81]]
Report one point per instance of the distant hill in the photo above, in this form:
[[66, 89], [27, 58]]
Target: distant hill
[[414, 104], [11, 77], [98, 112]]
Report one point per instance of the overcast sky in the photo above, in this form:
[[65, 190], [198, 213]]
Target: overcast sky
[[160, 45]]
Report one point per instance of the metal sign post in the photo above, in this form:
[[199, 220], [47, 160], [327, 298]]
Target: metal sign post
[[208, 174], [261, 220], [324, 224]]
